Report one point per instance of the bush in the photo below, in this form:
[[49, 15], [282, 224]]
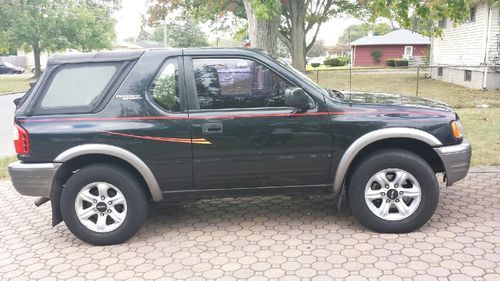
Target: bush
[[390, 62], [335, 62], [315, 64], [396, 62], [401, 62], [376, 54]]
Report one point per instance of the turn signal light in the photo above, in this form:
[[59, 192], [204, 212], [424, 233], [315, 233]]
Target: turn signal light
[[456, 128], [22, 142]]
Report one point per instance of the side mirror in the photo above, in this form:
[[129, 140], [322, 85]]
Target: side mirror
[[297, 98]]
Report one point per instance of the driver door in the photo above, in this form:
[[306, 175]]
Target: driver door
[[251, 139]]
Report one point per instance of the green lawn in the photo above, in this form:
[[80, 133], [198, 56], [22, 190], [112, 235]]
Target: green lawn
[[4, 162], [403, 81], [12, 83], [482, 129]]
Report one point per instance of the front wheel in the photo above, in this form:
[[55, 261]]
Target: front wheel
[[103, 204], [393, 191]]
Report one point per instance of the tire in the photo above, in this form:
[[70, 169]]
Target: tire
[[391, 216], [123, 218]]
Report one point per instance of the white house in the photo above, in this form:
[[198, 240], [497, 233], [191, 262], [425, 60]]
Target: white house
[[469, 54]]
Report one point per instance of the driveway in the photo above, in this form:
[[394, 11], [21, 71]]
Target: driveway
[[260, 238], [7, 109]]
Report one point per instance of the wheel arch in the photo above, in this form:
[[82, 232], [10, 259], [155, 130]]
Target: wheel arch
[[104, 151], [82, 155], [411, 139]]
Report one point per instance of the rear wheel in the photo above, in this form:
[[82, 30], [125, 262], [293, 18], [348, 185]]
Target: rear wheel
[[393, 191], [103, 204]]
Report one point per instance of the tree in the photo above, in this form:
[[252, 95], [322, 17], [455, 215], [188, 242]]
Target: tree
[[417, 15], [318, 49], [262, 16], [183, 35], [50, 25], [300, 17], [356, 31]]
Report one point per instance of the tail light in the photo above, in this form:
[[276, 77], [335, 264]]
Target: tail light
[[22, 142]]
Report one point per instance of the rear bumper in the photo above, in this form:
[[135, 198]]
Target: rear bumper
[[456, 160], [33, 179]]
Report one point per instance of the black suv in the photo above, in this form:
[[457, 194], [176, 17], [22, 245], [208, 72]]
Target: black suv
[[103, 134]]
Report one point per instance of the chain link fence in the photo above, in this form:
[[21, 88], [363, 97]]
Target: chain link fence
[[458, 86]]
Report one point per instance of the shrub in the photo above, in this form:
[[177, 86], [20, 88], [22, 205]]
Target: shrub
[[390, 62], [315, 64], [396, 62], [401, 62], [376, 54], [334, 62]]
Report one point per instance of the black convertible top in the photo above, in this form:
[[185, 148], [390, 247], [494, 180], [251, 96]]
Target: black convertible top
[[95, 57]]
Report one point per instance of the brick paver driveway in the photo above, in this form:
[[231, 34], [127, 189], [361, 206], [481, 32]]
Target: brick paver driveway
[[260, 238]]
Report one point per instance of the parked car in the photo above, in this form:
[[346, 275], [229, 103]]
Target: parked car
[[42, 69], [103, 135], [9, 68]]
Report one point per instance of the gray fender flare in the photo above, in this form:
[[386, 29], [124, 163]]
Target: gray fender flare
[[371, 137], [118, 152]]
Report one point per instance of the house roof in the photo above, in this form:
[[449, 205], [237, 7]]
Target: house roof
[[396, 37]]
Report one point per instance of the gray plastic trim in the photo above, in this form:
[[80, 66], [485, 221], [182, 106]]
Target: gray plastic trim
[[372, 137], [118, 152]]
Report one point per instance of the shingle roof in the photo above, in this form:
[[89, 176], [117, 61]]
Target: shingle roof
[[396, 37]]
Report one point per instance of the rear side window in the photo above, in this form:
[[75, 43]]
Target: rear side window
[[78, 86], [165, 88]]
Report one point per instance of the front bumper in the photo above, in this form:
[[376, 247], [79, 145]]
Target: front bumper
[[33, 179], [456, 160]]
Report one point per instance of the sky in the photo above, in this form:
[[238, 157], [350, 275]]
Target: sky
[[129, 21]]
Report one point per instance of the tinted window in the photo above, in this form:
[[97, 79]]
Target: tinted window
[[78, 86], [237, 83], [165, 88]]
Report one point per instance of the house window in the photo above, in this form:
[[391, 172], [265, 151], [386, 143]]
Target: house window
[[472, 13], [442, 23], [408, 52], [440, 71], [468, 75]]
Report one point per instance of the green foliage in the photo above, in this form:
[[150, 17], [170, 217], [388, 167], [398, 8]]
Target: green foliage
[[396, 62], [50, 25], [421, 16], [89, 28], [338, 61], [266, 9], [318, 49], [376, 54], [164, 92], [356, 31], [182, 35], [57, 25]]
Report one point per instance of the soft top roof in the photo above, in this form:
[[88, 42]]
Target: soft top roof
[[94, 57]]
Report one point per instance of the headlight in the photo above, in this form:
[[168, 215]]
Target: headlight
[[456, 129]]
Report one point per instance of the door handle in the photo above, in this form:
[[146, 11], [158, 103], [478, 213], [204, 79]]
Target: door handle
[[211, 128]]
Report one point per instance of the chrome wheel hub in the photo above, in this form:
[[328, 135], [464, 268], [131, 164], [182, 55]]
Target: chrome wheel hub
[[393, 194], [101, 207]]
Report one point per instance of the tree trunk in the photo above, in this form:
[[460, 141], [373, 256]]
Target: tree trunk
[[263, 32], [297, 43], [36, 53]]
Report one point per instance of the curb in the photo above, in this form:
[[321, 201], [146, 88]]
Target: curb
[[13, 93]]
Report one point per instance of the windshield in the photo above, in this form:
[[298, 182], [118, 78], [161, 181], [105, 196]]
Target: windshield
[[9, 64]]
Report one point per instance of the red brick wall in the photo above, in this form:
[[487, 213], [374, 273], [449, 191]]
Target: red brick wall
[[363, 54]]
